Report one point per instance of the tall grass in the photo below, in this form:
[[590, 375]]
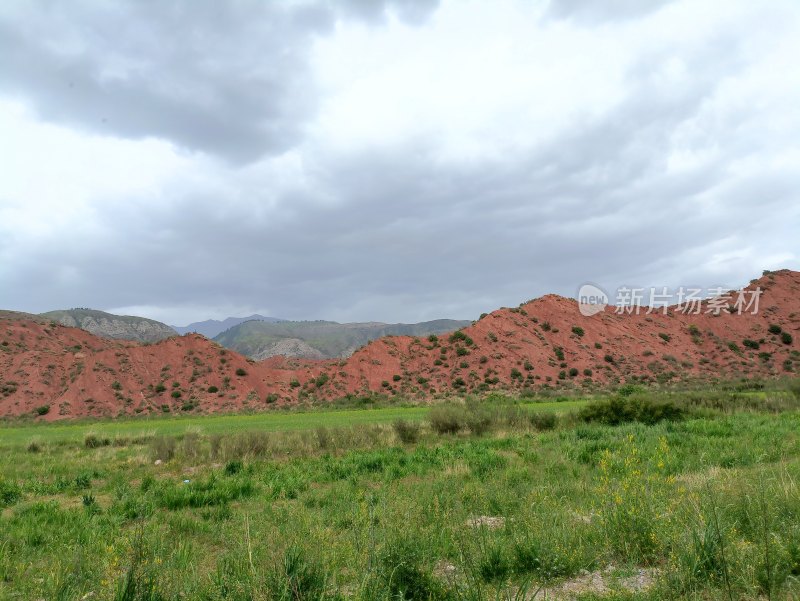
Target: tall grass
[[509, 502]]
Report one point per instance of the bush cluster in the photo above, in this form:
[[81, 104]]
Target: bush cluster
[[620, 409]]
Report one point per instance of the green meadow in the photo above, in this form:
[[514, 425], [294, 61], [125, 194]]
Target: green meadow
[[275, 421], [633, 495]]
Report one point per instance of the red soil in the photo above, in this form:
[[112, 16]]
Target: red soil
[[77, 374]]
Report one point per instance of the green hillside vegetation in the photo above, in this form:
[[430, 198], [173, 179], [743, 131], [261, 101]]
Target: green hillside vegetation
[[257, 338]]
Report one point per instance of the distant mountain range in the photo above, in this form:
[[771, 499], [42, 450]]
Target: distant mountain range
[[211, 327], [320, 339], [107, 325], [255, 336]]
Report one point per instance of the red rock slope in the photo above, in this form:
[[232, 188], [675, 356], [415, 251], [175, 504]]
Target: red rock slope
[[545, 342]]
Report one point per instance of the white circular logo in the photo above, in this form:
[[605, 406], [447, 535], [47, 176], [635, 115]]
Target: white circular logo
[[591, 300]]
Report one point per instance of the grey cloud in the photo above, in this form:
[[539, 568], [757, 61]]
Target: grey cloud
[[228, 79], [396, 233], [591, 11]]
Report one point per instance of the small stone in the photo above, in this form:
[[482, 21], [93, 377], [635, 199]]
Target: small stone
[[490, 521]]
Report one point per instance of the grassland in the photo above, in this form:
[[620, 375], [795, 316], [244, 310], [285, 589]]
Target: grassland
[[277, 421], [692, 496]]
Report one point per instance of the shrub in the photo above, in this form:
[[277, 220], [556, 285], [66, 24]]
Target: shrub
[[573, 371], [578, 331], [406, 431], [397, 377], [162, 447], [42, 410], [213, 389], [478, 421], [629, 389], [403, 573], [664, 336], [446, 419], [598, 345], [786, 338], [323, 437], [115, 385], [321, 380], [294, 384], [241, 371], [494, 564], [34, 446], [543, 421], [559, 353], [299, 579], [618, 410], [160, 388], [751, 344], [546, 326], [516, 374], [271, 398], [609, 358], [246, 444], [10, 492], [587, 372], [233, 467], [459, 335], [92, 441], [176, 394], [774, 329]]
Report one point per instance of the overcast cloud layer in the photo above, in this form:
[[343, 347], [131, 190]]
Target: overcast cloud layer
[[393, 161]]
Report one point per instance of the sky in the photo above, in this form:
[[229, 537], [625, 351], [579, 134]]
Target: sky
[[390, 160]]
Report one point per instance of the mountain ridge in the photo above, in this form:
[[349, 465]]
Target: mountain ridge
[[213, 327], [59, 372], [109, 325], [320, 339]]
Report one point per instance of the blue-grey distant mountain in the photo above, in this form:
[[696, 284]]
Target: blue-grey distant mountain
[[320, 339], [213, 327]]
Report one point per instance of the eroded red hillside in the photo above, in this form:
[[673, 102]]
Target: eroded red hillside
[[545, 342]]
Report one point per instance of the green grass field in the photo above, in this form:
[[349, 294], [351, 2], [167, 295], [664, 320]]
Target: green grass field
[[277, 421], [639, 497]]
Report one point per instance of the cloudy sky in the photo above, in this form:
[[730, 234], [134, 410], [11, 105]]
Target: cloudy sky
[[390, 160]]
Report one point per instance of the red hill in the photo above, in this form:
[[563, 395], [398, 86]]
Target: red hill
[[545, 342]]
